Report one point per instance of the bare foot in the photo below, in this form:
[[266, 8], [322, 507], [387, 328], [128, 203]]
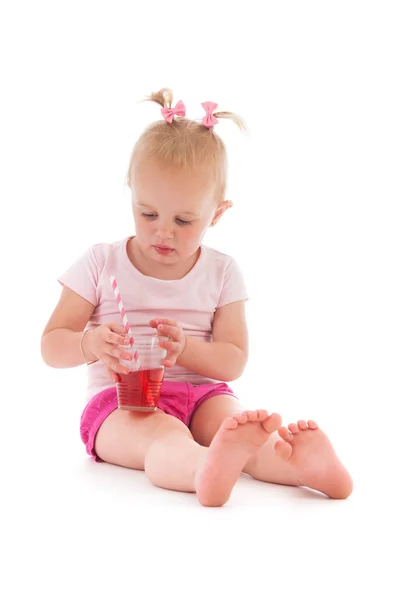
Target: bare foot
[[237, 439], [313, 460]]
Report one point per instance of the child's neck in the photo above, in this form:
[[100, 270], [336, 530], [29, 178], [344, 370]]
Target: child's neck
[[150, 268]]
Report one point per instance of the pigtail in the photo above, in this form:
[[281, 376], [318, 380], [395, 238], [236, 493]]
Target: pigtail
[[233, 117], [163, 97]]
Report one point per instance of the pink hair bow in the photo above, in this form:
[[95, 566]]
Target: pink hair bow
[[179, 110], [209, 120]]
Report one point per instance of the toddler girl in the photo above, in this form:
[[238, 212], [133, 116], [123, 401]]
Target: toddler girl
[[200, 439]]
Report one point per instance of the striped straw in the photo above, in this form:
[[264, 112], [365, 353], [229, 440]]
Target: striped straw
[[128, 329]]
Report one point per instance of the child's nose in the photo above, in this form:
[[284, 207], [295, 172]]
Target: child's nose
[[165, 231]]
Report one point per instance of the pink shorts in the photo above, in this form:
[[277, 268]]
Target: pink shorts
[[177, 398]]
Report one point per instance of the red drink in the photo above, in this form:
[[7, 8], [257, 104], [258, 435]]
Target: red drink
[[140, 390]]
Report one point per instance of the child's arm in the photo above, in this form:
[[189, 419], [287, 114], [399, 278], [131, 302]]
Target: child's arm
[[61, 338], [226, 356]]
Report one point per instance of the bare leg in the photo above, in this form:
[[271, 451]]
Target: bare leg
[[166, 450], [177, 462]]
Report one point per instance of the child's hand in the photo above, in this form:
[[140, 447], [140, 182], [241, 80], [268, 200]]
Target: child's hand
[[103, 342], [176, 344]]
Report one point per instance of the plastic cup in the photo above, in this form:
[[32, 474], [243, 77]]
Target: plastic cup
[[140, 388]]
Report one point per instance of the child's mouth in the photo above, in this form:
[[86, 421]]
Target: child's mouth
[[163, 249]]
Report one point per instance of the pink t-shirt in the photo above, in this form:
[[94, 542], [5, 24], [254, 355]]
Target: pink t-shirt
[[215, 280]]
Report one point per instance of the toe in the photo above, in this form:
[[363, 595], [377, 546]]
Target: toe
[[252, 415], [283, 449], [262, 415], [242, 417], [312, 425], [230, 423], [293, 428], [285, 434], [272, 422], [302, 425]]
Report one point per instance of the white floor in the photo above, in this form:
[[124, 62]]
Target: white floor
[[74, 528]]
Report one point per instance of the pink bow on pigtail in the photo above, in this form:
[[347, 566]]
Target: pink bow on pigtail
[[179, 110], [209, 120]]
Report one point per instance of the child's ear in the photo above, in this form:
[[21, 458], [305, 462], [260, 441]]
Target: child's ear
[[222, 207]]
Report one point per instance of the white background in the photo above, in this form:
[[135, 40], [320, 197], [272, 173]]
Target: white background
[[315, 228]]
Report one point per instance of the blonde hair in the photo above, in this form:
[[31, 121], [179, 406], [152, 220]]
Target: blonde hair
[[184, 143]]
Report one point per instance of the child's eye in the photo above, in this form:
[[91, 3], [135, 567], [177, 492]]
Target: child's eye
[[153, 216]]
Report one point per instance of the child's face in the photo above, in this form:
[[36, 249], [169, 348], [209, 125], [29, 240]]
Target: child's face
[[171, 210]]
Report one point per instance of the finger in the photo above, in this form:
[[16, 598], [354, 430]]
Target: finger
[[117, 328], [170, 330], [154, 322], [170, 359], [113, 375], [118, 368], [117, 352], [116, 377], [171, 347], [168, 363], [114, 364], [120, 340], [117, 334], [167, 322]]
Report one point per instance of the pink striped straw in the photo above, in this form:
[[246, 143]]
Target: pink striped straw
[[128, 329]]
